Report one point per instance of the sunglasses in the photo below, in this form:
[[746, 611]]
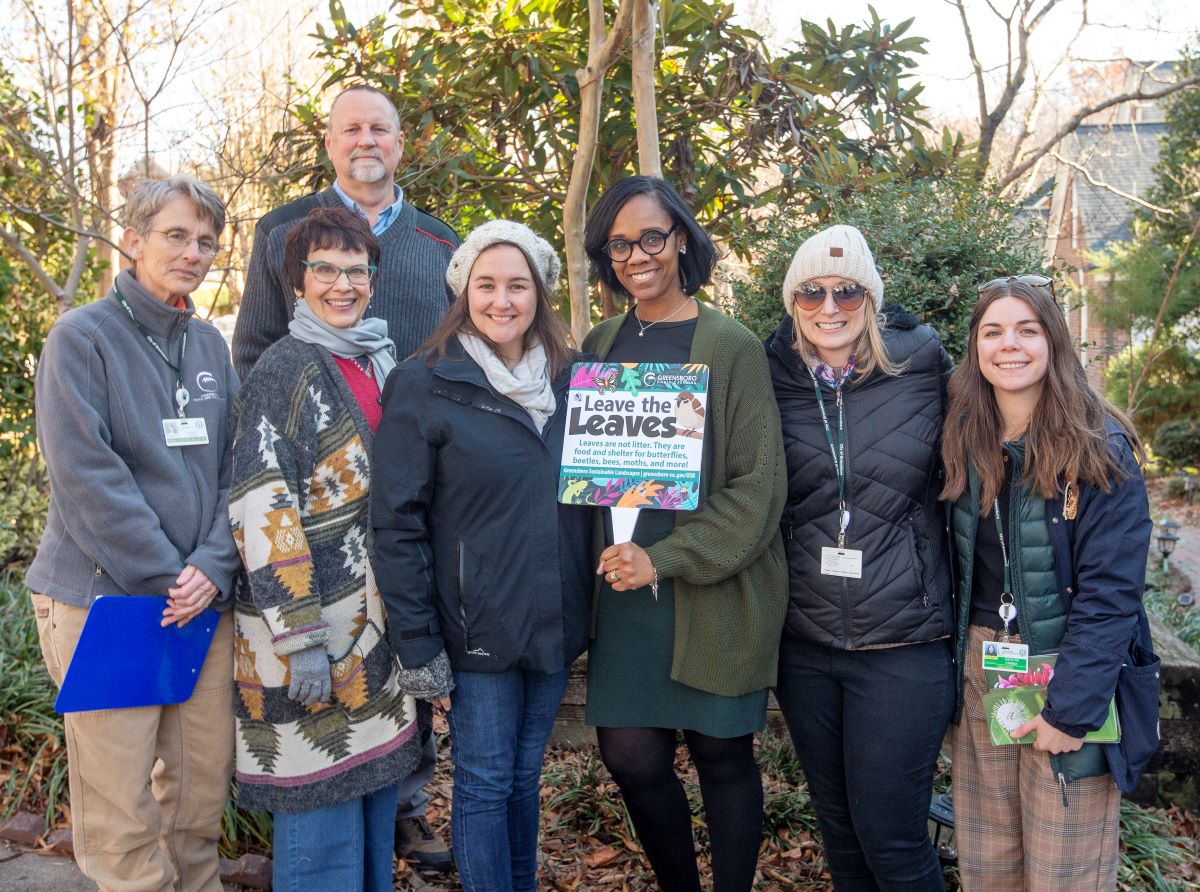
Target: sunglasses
[[811, 296], [1035, 280]]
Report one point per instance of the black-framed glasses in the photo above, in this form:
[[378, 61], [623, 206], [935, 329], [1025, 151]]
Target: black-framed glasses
[[652, 242], [1036, 280], [327, 273], [810, 296], [177, 238]]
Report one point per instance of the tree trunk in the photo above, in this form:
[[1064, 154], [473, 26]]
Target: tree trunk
[[645, 113], [602, 47]]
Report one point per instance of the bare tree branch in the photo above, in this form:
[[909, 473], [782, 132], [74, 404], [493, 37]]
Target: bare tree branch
[[1100, 184], [1078, 118]]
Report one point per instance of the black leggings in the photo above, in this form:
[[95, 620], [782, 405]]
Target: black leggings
[[641, 761]]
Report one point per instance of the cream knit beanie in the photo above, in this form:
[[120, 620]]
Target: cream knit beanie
[[836, 251], [536, 248]]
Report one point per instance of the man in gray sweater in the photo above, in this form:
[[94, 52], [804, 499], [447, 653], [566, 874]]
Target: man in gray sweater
[[364, 142]]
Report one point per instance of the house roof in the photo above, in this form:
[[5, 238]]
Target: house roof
[[1118, 161]]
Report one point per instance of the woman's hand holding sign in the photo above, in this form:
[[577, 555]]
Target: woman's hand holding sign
[[626, 567]]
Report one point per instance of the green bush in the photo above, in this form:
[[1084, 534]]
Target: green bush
[[1171, 389], [33, 759], [934, 241], [1177, 443], [24, 500], [1184, 486]]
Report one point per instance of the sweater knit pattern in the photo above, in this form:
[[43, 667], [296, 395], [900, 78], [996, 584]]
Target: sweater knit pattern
[[410, 291], [299, 510], [726, 557]]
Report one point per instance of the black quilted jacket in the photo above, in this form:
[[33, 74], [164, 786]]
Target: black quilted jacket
[[893, 425]]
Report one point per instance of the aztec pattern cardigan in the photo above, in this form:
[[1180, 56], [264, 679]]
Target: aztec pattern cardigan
[[298, 507]]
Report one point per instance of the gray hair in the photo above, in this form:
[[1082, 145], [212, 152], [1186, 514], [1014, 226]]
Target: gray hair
[[363, 88], [147, 198]]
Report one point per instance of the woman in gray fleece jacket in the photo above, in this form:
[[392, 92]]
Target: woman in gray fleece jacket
[[136, 510]]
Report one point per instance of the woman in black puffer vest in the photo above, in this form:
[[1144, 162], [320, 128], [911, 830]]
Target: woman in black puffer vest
[[865, 678]]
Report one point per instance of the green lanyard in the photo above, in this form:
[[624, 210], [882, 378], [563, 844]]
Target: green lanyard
[[838, 451], [1008, 610], [182, 397]]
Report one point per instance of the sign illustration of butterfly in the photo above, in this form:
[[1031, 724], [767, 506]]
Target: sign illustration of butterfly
[[606, 383]]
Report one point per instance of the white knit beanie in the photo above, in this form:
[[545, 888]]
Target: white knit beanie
[[536, 248], [836, 251]]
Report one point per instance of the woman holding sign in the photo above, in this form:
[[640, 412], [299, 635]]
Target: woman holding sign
[[1052, 528], [688, 615], [477, 561], [865, 679]]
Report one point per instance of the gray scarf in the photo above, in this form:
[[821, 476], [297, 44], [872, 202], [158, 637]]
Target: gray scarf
[[366, 337]]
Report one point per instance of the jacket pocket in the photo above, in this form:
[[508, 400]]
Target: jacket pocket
[[914, 555], [470, 599]]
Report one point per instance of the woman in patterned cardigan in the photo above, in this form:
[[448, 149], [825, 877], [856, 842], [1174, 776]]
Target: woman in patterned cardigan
[[326, 729]]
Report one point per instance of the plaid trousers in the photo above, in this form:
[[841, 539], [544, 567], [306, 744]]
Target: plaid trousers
[[1011, 829]]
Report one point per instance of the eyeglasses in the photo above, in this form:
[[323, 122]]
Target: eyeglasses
[[811, 296], [177, 238], [652, 242], [327, 273], [1036, 280]]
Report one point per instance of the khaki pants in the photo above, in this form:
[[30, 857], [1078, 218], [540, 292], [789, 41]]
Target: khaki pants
[[1010, 827], [148, 784]]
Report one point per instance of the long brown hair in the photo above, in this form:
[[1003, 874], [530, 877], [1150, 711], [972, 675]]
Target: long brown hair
[[1066, 438], [548, 325]]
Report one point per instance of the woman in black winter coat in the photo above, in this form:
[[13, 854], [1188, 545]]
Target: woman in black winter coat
[[865, 680], [475, 558]]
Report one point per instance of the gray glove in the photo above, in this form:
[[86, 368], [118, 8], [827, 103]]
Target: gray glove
[[311, 682], [428, 682]]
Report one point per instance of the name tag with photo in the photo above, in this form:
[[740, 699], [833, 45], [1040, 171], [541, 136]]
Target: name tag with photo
[[185, 431]]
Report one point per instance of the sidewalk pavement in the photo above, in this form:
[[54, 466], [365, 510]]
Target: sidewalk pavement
[[26, 870]]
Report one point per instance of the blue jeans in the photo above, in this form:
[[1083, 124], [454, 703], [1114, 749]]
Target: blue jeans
[[347, 846], [499, 725], [867, 726]]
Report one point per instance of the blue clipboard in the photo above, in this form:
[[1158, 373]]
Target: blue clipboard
[[126, 658]]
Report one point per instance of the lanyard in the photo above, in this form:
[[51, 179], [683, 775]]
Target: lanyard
[[182, 397], [838, 451], [1008, 609]]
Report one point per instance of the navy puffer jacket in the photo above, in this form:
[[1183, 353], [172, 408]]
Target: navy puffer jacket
[[893, 479]]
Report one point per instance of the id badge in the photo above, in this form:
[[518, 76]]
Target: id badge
[[845, 562], [1006, 656], [185, 431]]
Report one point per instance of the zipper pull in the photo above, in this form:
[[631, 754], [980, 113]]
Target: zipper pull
[[1062, 785], [839, 397]]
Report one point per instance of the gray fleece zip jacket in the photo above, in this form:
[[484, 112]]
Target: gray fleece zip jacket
[[128, 512]]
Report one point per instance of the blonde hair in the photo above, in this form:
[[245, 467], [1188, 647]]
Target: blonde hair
[[870, 352]]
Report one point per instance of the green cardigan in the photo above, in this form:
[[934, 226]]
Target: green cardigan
[[726, 557]]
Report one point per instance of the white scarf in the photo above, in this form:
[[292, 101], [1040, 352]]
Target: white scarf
[[527, 383]]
